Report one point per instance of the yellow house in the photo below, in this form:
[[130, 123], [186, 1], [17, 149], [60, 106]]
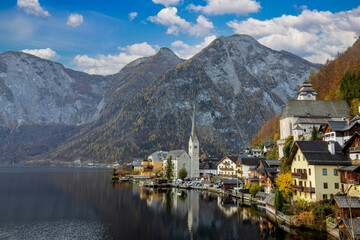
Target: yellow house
[[146, 168], [315, 169], [156, 160]]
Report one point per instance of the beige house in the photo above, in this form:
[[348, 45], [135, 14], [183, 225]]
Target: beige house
[[227, 166], [315, 169]]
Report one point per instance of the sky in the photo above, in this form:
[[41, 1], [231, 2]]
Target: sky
[[101, 37]]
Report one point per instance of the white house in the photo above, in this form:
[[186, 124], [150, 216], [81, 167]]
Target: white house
[[301, 115], [227, 166]]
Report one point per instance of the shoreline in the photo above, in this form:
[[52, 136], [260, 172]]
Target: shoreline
[[283, 221]]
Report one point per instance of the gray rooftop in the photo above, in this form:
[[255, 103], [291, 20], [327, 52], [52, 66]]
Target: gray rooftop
[[343, 202], [356, 224], [341, 126], [175, 153], [305, 120], [316, 108], [270, 199], [159, 156], [317, 153]]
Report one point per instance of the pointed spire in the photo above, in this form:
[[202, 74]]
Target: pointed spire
[[193, 127]]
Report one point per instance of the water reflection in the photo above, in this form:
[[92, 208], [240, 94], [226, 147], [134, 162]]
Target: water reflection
[[115, 210]]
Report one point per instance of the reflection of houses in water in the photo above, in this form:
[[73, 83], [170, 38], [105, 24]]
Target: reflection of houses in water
[[227, 205]]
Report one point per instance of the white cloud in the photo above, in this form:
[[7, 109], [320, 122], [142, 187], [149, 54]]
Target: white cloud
[[168, 17], [132, 15], [45, 53], [110, 64], [221, 7], [75, 20], [140, 49], [32, 7], [314, 35], [186, 51], [167, 3]]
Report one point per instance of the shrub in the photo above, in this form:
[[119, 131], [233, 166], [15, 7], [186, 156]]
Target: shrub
[[254, 189], [182, 173], [329, 220]]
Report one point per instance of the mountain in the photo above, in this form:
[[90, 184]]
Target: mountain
[[37, 90], [43, 103], [236, 83], [135, 77]]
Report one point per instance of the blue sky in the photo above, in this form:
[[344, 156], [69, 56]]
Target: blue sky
[[102, 36]]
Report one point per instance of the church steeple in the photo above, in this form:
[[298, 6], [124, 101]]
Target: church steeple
[[194, 149], [307, 91], [193, 135]]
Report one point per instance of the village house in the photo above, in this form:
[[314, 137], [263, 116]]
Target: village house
[[268, 170], [340, 131], [314, 167], [300, 116], [349, 229], [136, 166], [350, 180], [208, 169], [268, 145], [247, 164], [146, 168], [156, 160], [342, 209], [352, 148], [227, 166]]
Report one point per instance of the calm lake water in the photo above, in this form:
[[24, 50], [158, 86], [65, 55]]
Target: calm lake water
[[57, 203]]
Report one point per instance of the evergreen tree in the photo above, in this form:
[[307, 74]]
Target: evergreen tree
[[279, 201], [314, 134], [169, 168]]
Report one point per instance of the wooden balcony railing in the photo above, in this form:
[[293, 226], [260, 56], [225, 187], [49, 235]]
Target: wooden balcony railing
[[299, 175], [354, 149], [226, 169], [309, 189], [349, 181], [297, 188]]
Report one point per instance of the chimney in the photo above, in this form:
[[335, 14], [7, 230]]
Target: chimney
[[331, 147]]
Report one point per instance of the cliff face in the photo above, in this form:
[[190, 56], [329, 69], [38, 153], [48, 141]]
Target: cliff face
[[37, 90], [236, 83]]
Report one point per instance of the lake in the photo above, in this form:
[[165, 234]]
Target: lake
[[74, 203]]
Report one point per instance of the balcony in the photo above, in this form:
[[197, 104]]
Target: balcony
[[354, 149], [226, 169], [309, 189], [299, 175], [350, 181], [297, 188]]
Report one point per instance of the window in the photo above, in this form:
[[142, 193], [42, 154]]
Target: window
[[309, 172], [299, 157], [335, 172], [324, 171], [336, 185], [357, 156], [184, 165], [304, 184], [294, 170], [325, 185]]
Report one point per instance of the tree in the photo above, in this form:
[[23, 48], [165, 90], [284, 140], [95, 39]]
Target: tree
[[182, 173], [169, 168], [279, 201], [288, 144], [314, 134], [284, 184], [254, 189]]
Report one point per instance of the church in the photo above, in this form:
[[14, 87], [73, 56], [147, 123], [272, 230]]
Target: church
[[301, 115], [190, 160]]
